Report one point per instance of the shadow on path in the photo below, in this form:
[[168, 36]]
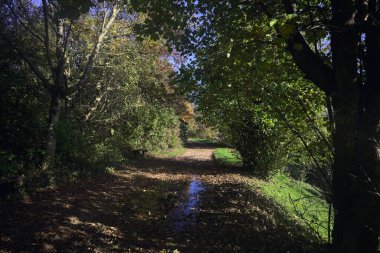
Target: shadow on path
[[184, 203]]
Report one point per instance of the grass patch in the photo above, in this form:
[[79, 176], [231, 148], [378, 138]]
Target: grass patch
[[227, 156], [300, 200], [202, 140], [173, 152]]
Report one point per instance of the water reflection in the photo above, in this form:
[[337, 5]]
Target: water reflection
[[184, 215]]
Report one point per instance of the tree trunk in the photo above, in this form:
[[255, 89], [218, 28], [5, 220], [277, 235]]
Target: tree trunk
[[356, 162], [356, 114], [368, 152], [54, 113], [56, 92], [356, 175]]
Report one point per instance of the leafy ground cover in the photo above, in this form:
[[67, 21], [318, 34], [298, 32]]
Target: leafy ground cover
[[180, 204]]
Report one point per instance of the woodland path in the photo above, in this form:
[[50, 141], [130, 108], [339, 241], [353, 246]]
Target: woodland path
[[156, 205]]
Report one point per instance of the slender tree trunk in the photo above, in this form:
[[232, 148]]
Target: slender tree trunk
[[54, 113], [330, 113], [56, 92]]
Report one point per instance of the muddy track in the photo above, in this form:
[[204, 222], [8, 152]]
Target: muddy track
[[157, 205]]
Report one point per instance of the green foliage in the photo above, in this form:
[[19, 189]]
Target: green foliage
[[126, 103], [260, 104], [254, 139], [22, 115], [199, 130], [151, 129], [132, 107], [227, 156], [300, 200]]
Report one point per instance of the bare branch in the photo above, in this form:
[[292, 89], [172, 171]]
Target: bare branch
[[103, 32], [46, 36]]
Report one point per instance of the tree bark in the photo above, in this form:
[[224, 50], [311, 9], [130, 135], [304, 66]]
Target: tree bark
[[54, 113], [56, 92], [356, 114], [356, 172], [368, 152]]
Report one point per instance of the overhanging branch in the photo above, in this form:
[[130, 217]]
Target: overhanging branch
[[308, 61]]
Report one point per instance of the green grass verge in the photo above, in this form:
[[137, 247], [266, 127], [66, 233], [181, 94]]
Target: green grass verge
[[227, 156], [300, 200], [173, 152]]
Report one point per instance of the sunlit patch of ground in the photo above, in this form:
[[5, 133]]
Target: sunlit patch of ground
[[184, 203]]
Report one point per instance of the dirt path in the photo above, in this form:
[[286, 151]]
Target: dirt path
[[157, 205]]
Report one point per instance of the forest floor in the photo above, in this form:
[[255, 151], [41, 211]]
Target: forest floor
[[179, 204]]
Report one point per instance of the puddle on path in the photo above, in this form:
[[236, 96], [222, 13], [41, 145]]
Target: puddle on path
[[145, 203], [185, 214]]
